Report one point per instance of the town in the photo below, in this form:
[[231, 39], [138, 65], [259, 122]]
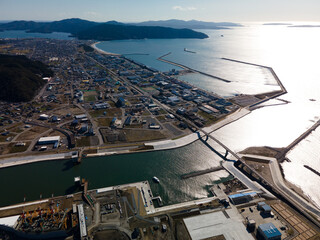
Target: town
[[98, 104], [97, 100]]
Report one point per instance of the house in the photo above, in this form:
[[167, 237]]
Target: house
[[121, 102]]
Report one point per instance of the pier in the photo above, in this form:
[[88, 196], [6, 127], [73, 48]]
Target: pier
[[190, 69], [201, 172]]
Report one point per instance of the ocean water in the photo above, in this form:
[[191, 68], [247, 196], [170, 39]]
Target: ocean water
[[293, 54], [24, 34]]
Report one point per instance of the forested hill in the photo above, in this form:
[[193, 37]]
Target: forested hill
[[20, 78], [111, 30], [105, 32]]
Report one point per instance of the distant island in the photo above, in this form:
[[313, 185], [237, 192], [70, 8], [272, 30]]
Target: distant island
[[305, 26], [20, 78], [277, 24], [192, 24], [111, 30]]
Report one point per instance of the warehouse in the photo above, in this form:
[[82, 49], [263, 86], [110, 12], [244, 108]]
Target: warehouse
[[55, 140], [227, 223], [241, 198], [269, 232]]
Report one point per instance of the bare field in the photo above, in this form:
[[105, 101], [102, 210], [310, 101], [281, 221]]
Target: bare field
[[31, 134], [133, 135]]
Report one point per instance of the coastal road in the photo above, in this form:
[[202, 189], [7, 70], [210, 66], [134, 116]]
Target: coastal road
[[280, 185]]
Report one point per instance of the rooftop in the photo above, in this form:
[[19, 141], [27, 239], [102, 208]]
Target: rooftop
[[227, 223], [269, 230]]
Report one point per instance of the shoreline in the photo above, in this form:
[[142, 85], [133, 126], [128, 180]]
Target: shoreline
[[162, 145], [93, 45], [16, 161]]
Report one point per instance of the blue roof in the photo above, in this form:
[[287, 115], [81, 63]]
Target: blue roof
[[241, 194], [266, 207], [270, 230]]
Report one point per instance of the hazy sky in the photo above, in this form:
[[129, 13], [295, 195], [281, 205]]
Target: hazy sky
[[140, 10]]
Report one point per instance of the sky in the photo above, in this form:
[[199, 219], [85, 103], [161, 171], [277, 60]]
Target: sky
[[143, 10]]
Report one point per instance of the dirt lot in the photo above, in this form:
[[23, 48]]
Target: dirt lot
[[65, 111], [133, 135], [31, 133], [262, 151], [110, 112], [105, 122]]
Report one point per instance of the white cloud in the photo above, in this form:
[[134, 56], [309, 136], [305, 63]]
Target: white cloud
[[180, 8]]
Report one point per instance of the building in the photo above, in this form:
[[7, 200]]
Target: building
[[208, 226], [81, 116], [101, 105], [55, 140], [43, 117], [121, 102], [240, 198], [264, 208], [269, 232]]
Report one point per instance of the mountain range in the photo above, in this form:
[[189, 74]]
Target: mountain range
[[112, 30], [192, 24]]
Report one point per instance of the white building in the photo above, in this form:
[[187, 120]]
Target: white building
[[227, 223], [55, 140]]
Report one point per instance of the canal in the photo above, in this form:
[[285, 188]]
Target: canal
[[56, 177]]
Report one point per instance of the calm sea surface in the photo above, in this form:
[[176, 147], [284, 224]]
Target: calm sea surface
[[23, 34], [293, 54]]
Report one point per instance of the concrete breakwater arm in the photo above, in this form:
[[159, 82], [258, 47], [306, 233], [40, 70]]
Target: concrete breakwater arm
[[190, 69]]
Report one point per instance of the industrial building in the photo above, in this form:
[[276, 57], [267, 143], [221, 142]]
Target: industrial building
[[227, 223], [269, 232], [240, 198], [55, 140], [264, 208]]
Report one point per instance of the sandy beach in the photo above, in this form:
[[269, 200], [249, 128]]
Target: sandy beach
[[101, 51]]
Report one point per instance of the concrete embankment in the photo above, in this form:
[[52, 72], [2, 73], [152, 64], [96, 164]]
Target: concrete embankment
[[257, 65], [10, 162], [157, 146]]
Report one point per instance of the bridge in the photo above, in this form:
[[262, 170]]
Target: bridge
[[305, 208]]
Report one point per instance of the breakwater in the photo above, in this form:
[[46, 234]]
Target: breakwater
[[190, 69]]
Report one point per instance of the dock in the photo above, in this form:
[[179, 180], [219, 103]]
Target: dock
[[201, 172], [159, 200]]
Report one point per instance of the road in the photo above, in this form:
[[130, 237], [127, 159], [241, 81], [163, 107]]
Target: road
[[286, 192], [94, 125]]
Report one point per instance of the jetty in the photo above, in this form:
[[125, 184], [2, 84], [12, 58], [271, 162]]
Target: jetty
[[190, 69], [201, 172], [283, 154], [312, 170]]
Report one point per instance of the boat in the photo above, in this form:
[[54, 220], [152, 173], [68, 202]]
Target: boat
[[186, 50], [155, 179]]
